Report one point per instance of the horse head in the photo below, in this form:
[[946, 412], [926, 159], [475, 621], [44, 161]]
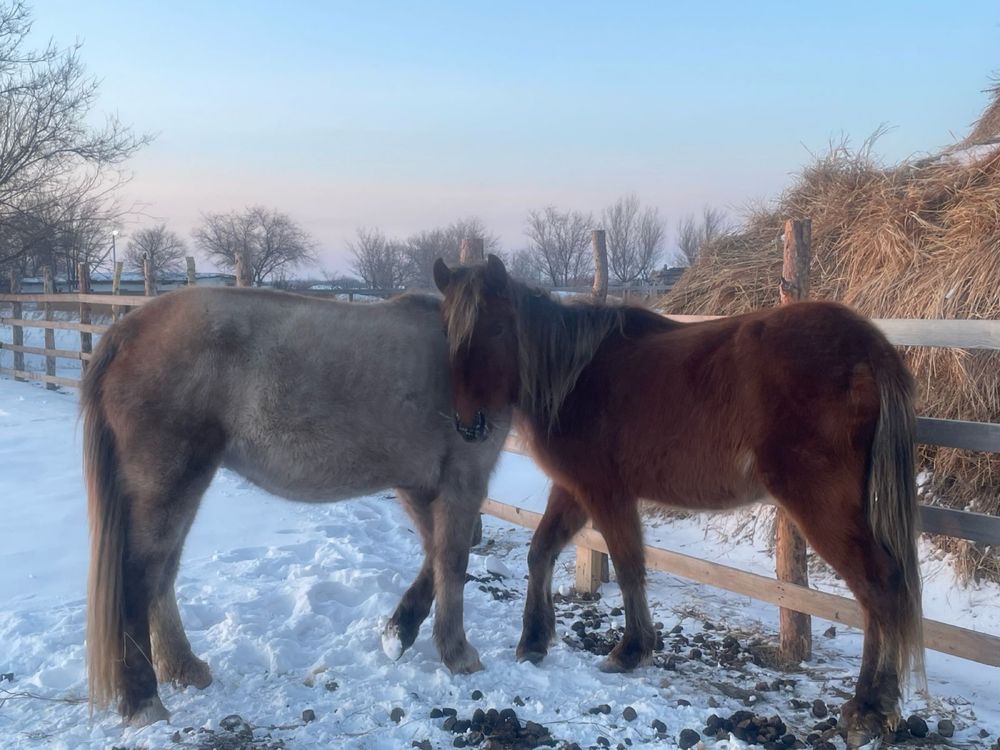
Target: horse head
[[481, 326]]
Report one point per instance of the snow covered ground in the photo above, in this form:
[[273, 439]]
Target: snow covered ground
[[286, 602]]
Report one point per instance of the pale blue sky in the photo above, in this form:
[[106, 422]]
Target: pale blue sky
[[409, 115]]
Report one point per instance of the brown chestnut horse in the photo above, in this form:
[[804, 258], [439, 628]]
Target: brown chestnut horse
[[807, 403]]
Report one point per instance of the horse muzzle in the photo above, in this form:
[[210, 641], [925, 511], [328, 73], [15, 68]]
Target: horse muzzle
[[477, 432]]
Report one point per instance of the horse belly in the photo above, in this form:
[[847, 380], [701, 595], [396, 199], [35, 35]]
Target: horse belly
[[327, 471]]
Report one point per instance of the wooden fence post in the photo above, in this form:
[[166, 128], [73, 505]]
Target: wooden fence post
[[18, 331], [116, 288], [192, 278], [149, 277], [242, 277], [49, 287], [86, 337], [471, 250], [598, 239], [789, 546], [592, 567]]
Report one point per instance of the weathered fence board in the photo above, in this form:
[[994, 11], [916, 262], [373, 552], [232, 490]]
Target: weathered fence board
[[124, 300], [42, 351], [955, 334], [955, 433], [67, 325], [963, 524], [42, 377]]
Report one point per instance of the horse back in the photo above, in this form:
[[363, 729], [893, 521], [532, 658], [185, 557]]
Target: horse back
[[315, 399], [696, 411]]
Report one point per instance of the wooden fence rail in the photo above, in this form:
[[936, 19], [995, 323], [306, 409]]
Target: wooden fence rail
[[939, 636]]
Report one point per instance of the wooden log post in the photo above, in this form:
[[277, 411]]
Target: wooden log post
[[86, 337], [790, 548], [116, 288], [49, 287], [192, 277], [149, 277], [242, 271], [18, 331], [592, 566], [471, 250], [599, 241]]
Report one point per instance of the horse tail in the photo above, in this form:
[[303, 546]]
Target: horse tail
[[107, 507], [893, 516]]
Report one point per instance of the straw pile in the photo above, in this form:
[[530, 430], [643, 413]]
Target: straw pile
[[917, 240]]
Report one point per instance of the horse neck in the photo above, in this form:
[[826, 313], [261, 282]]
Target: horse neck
[[557, 343]]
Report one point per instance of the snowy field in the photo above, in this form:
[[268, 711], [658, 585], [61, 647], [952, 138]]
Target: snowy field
[[286, 603]]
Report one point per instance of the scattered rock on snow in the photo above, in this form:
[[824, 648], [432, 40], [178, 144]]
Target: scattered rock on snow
[[917, 726]]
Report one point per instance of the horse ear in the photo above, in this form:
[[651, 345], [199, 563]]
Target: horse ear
[[496, 274], [442, 275]]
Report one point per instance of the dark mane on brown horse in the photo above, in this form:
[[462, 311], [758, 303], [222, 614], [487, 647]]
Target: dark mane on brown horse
[[806, 403], [558, 339]]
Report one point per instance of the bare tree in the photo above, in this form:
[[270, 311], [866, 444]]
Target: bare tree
[[51, 157], [164, 249], [635, 239], [268, 242], [651, 233], [379, 261], [522, 265], [694, 233], [424, 247], [560, 244]]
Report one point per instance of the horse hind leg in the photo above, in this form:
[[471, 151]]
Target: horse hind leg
[[832, 518], [402, 628], [165, 488], [563, 517]]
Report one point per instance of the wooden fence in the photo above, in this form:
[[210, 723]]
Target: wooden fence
[[591, 549]]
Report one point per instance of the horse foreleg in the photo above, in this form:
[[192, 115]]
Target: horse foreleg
[[563, 517], [618, 521], [404, 625], [454, 519]]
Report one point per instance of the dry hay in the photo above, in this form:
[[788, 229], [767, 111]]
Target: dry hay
[[911, 241], [987, 127]]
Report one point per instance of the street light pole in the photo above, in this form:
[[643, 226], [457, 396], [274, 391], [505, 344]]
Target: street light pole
[[114, 250]]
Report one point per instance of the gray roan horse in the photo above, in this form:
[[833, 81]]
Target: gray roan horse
[[310, 399]]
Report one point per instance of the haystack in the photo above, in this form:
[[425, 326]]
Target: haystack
[[915, 240]]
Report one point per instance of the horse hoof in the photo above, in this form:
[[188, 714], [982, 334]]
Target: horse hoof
[[465, 663], [613, 666], [150, 712], [195, 674], [188, 672], [530, 655], [858, 738], [865, 726], [392, 644]]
